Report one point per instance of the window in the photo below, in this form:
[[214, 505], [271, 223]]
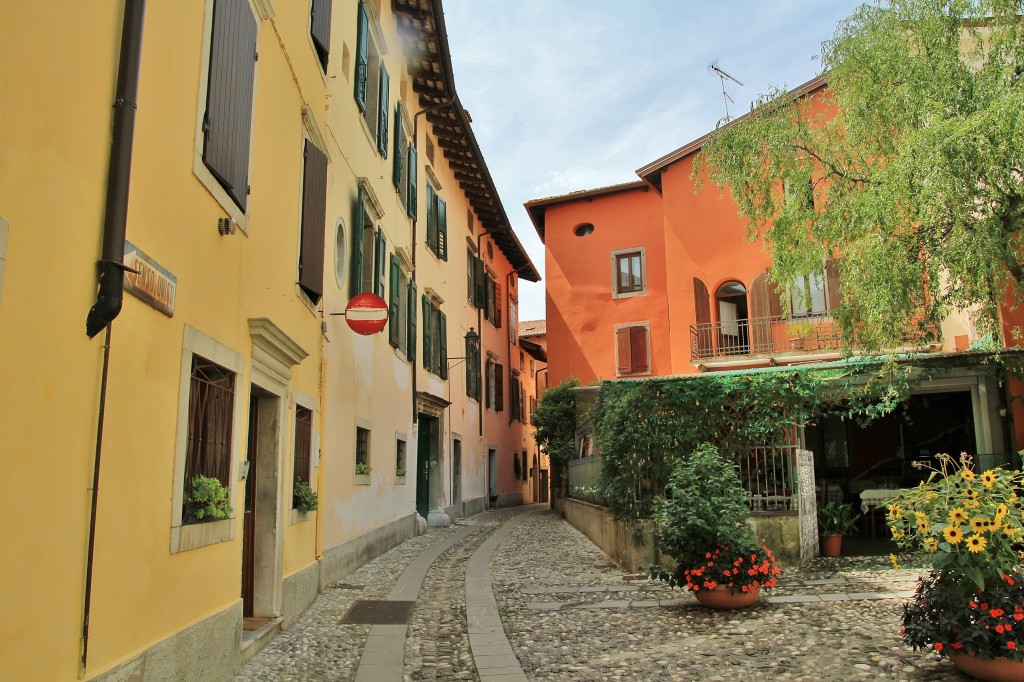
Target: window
[[320, 30], [369, 247], [807, 295], [371, 82], [495, 385], [522, 361], [513, 321], [437, 224], [628, 273], [533, 367], [227, 117], [476, 280], [435, 339], [401, 315], [210, 409], [314, 214], [516, 396], [403, 171], [632, 349], [492, 292], [526, 471], [303, 448], [473, 369], [339, 253], [400, 469], [362, 448], [584, 230]]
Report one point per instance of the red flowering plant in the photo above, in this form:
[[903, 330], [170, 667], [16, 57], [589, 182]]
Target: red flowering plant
[[701, 524], [970, 526]]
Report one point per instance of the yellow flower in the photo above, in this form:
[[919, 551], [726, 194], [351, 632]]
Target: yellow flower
[[988, 478], [979, 524], [1013, 497], [967, 474], [971, 494], [931, 544], [895, 562], [923, 528], [972, 504], [954, 534], [898, 534], [895, 511], [957, 515], [1020, 554], [976, 543], [1001, 511]]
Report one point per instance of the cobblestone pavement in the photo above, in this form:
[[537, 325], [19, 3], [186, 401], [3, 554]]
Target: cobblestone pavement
[[571, 614]]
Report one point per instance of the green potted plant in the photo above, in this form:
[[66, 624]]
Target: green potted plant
[[304, 498], [400, 472], [701, 524], [363, 469], [971, 604], [799, 332], [835, 519], [206, 499]]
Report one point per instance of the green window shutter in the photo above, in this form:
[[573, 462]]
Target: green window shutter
[[431, 219], [355, 275], [410, 340], [442, 229], [380, 269], [470, 272], [393, 298], [410, 208], [442, 338], [427, 350], [396, 166], [382, 112], [480, 299], [362, 57]]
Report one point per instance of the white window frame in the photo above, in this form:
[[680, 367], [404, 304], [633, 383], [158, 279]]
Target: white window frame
[[615, 273]]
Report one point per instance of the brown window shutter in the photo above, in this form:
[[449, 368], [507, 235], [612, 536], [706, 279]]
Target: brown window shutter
[[702, 341], [229, 92], [623, 355], [832, 298], [499, 387], [638, 349], [497, 305], [314, 214], [320, 29]]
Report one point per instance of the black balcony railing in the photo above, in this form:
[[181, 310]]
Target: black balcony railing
[[763, 336]]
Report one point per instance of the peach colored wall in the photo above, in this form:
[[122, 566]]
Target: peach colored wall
[[581, 313]]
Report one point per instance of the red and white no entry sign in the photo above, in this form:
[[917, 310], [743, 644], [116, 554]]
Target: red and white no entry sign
[[366, 314]]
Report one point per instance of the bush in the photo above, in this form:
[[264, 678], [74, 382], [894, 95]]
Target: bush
[[208, 499]]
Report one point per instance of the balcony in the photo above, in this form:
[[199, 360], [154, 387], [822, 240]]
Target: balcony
[[764, 337]]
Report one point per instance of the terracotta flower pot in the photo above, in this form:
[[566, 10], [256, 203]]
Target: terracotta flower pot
[[725, 598], [831, 544], [989, 669]]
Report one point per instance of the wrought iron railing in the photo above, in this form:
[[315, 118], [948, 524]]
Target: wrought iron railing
[[763, 336], [769, 475]]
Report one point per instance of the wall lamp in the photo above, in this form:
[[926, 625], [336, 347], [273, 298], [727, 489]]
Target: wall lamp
[[472, 341]]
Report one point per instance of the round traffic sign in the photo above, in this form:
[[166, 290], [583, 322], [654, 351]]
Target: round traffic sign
[[366, 314]]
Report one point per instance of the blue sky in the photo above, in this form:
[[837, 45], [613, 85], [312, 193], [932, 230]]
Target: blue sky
[[576, 94]]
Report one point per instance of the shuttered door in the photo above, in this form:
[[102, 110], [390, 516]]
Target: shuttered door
[[355, 275], [760, 315], [410, 207], [320, 29], [393, 299], [623, 357], [442, 229], [832, 298], [638, 349], [314, 214], [362, 57], [427, 324], [228, 119], [701, 345]]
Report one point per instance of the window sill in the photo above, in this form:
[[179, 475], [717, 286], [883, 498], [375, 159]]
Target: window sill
[[361, 479], [196, 535], [399, 480], [306, 300], [629, 294]]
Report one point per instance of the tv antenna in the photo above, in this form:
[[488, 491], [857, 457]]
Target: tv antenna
[[722, 75]]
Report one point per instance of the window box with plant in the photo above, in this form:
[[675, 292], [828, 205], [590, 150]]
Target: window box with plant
[[701, 524], [206, 500], [304, 498], [363, 469], [835, 519], [400, 472]]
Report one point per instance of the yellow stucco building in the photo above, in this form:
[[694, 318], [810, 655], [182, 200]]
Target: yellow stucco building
[[252, 164]]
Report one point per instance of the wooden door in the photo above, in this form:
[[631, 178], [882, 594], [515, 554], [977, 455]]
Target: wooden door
[[249, 513]]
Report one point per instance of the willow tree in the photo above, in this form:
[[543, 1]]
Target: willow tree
[[910, 171]]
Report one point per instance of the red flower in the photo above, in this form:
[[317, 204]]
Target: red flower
[[972, 604], [1011, 645], [995, 613], [1008, 579], [1001, 629], [956, 645], [937, 646]]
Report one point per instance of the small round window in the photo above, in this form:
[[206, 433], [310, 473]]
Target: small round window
[[584, 230], [339, 254]]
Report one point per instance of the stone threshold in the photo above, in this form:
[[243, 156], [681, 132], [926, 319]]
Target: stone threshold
[[254, 640]]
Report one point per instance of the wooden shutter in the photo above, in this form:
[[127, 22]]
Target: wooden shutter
[[701, 342], [470, 274], [410, 340], [480, 277], [469, 369], [489, 302], [227, 121], [497, 305], [513, 388], [383, 108], [639, 361], [764, 306], [393, 301], [442, 229], [396, 165], [320, 29], [623, 357], [427, 331], [410, 207], [442, 340], [380, 271], [832, 297], [314, 214], [362, 57], [355, 275], [499, 387], [431, 219]]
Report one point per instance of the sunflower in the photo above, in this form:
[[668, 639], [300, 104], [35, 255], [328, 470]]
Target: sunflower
[[1001, 511], [957, 515], [895, 511], [898, 534], [976, 543], [972, 504], [895, 562], [979, 524], [954, 534], [931, 544], [971, 494], [988, 478], [967, 475]]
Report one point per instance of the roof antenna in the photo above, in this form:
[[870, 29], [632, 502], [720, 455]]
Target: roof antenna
[[722, 75]]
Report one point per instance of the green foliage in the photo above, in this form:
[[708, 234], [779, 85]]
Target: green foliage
[[400, 471], [836, 518], [306, 500], [363, 469], [916, 182], [555, 422], [208, 499]]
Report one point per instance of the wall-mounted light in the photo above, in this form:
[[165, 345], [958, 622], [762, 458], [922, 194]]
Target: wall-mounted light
[[472, 341]]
